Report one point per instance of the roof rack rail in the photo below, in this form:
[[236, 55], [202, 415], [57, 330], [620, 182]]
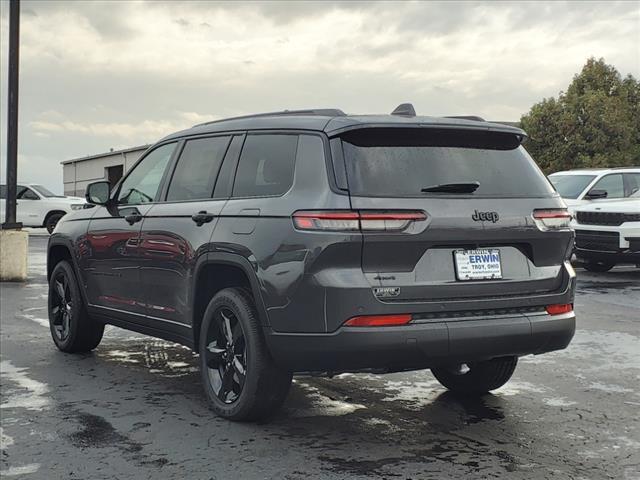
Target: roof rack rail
[[468, 117], [323, 112]]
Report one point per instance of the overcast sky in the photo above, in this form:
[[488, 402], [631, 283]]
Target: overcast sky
[[99, 75]]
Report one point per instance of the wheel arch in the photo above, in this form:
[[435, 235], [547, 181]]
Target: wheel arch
[[55, 254], [216, 271], [51, 212]]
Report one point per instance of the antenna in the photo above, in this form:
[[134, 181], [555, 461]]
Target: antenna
[[404, 110]]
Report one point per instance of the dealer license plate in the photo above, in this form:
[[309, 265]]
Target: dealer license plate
[[483, 264]]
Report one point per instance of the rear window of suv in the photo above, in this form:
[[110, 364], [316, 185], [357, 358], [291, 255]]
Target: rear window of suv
[[401, 162]]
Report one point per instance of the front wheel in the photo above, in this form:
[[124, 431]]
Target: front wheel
[[52, 220], [476, 377], [598, 267], [240, 379], [72, 329]]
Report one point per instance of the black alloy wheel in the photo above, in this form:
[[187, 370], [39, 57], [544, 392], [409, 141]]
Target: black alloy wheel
[[226, 355], [61, 306], [72, 330], [240, 378]]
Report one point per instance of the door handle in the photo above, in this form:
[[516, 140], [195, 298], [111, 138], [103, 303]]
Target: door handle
[[202, 217], [133, 218]]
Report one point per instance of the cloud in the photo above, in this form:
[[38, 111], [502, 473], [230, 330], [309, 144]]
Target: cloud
[[145, 131], [103, 74]]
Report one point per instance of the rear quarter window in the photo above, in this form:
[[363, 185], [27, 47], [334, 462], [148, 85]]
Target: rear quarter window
[[401, 162], [266, 165]]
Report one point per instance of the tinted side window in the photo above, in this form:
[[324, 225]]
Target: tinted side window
[[197, 169], [612, 184], [3, 191], [24, 193], [633, 182], [142, 184], [266, 165]]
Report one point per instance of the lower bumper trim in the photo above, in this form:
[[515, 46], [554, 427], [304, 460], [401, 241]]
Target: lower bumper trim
[[419, 346]]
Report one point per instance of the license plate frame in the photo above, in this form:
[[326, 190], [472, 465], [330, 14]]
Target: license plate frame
[[466, 264]]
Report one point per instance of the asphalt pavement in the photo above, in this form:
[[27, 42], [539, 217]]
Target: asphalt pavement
[[134, 408]]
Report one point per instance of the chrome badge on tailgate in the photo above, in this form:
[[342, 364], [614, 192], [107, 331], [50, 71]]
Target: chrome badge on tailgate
[[386, 292]]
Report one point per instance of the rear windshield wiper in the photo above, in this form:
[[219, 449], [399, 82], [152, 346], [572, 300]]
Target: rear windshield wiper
[[462, 187]]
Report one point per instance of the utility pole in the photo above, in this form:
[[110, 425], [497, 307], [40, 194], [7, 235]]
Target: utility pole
[[14, 242], [12, 117]]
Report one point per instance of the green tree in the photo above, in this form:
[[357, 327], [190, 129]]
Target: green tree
[[595, 123]]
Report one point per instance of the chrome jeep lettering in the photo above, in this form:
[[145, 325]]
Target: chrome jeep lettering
[[485, 216]]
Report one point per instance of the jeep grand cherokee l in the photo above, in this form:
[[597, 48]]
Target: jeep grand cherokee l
[[608, 234], [314, 241]]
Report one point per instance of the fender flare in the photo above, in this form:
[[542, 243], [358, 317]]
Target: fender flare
[[56, 241], [235, 260]]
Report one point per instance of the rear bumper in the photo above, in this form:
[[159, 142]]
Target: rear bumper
[[421, 345]]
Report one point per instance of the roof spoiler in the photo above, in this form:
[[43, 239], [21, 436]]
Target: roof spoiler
[[475, 118]]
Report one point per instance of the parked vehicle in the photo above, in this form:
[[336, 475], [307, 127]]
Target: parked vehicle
[[583, 187], [314, 241], [608, 233], [38, 207]]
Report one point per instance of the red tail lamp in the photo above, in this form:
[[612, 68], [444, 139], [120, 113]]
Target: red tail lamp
[[559, 309], [378, 320]]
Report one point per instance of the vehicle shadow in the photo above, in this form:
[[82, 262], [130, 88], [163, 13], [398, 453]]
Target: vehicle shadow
[[359, 425]]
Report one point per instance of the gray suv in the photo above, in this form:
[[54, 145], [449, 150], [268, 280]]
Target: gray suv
[[314, 241]]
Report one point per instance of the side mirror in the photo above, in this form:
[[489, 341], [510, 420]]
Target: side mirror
[[98, 192], [595, 193]]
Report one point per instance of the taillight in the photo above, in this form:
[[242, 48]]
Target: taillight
[[559, 308], [378, 320], [327, 220], [552, 219], [349, 220]]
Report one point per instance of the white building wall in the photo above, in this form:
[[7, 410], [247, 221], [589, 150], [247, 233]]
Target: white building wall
[[77, 174]]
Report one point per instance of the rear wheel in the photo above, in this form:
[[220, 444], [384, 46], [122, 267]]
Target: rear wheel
[[477, 377], [598, 267], [71, 328], [241, 381], [52, 220]]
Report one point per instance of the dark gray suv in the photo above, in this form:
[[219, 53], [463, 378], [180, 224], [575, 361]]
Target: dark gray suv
[[314, 241]]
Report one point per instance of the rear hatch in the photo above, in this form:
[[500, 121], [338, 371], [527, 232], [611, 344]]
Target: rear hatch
[[468, 199]]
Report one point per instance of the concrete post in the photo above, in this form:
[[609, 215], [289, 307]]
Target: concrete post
[[14, 246]]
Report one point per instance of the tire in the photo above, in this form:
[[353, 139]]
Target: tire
[[71, 328], [52, 220], [480, 378], [598, 267], [240, 379]]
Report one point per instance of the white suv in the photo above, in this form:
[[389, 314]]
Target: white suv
[[583, 187], [608, 233], [38, 207]]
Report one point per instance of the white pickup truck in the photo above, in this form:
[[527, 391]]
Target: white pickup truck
[[608, 233], [38, 207]]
